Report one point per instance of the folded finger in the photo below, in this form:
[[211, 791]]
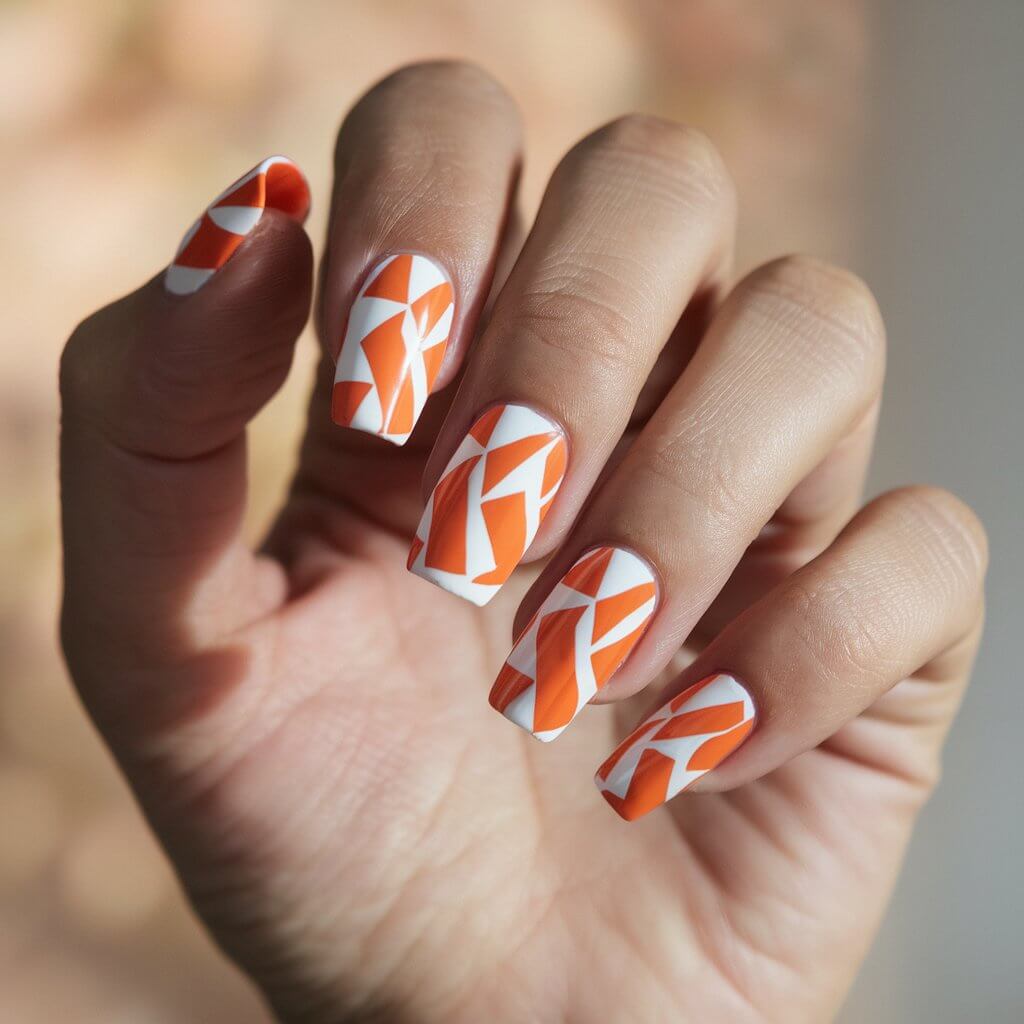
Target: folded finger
[[901, 585], [785, 372]]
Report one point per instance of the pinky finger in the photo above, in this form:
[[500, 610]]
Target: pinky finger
[[899, 587]]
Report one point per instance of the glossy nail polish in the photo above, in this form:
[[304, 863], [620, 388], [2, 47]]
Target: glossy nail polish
[[682, 741], [210, 242], [394, 345], [584, 630], [492, 497]]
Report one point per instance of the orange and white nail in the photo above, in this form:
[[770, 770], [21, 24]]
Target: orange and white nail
[[489, 503], [209, 243], [684, 740], [394, 345], [580, 635]]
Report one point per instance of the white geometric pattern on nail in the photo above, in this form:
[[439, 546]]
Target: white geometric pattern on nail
[[394, 345], [212, 239], [674, 747], [584, 630], [489, 503]]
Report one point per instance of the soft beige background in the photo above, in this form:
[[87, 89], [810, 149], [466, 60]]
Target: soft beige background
[[943, 229], [888, 139]]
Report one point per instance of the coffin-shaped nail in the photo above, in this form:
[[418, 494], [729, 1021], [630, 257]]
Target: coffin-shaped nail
[[211, 241], [584, 630], [394, 345], [491, 499], [682, 741]]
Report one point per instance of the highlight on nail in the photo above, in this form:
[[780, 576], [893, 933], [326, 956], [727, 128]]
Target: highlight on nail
[[275, 183], [395, 340], [490, 501], [677, 745], [585, 629]]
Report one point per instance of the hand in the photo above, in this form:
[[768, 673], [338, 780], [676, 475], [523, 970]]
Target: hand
[[306, 726]]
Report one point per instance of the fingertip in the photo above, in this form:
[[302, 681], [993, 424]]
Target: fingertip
[[274, 184]]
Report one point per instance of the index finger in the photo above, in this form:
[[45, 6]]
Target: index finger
[[425, 170]]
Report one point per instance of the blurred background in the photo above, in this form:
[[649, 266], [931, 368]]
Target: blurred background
[[884, 136]]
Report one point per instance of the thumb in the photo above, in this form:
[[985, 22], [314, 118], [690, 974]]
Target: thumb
[[156, 392]]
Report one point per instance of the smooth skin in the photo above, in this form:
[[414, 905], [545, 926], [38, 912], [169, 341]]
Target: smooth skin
[[306, 726]]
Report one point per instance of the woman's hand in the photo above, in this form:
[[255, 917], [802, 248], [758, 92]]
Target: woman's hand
[[307, 726]]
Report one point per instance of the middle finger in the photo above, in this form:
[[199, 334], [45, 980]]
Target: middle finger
[[637, 218]]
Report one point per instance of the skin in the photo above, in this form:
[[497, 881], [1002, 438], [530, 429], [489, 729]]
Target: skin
[[306, 726]]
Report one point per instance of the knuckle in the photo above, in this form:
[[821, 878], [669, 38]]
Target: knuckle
[[442, 73], [827, 307], [669, 141], [948, 531], [677, 154], [707, 476], [566, 310], [850, 641], [854, 624], [441, 85], [443, 131]]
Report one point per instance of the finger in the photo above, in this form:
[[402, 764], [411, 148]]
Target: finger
[[345, 468], [156, 391], [636, 219], [425, 171], [802, 527], [901, 585], [790, 363]]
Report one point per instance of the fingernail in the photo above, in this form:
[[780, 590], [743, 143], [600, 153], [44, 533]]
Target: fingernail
[[580, 635], [394, 345], [213, 238], [682, 741], [492, 497]]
